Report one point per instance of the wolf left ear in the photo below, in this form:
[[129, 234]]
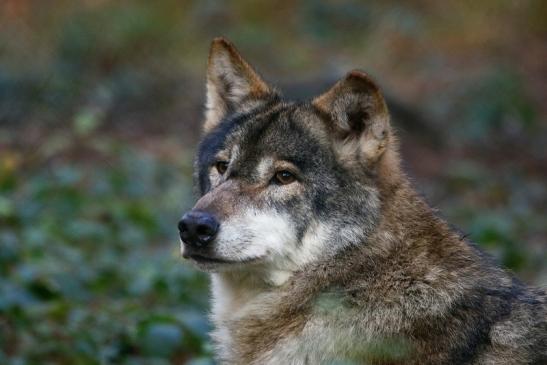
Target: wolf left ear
[[232, 84], [359, 117]]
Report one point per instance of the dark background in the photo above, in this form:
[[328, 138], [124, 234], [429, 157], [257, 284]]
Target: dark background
[[100, 111]]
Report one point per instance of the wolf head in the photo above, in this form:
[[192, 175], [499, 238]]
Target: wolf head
[[283, 183]]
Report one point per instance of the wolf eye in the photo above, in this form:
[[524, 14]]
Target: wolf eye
[[284, 177], [221, 167]]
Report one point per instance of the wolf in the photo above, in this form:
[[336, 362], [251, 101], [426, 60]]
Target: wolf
[[319, 249]]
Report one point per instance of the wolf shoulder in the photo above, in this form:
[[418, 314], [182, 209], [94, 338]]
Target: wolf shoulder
[[479, 329], [482, 315]]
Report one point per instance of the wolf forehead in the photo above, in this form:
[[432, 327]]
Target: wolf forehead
[[292, 132]]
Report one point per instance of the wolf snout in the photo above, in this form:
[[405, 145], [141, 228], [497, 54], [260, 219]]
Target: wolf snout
[[197, 228]]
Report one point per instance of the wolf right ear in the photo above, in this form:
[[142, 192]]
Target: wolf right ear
[[232, 84], [359, 117]]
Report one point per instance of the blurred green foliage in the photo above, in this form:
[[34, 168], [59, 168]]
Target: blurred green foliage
[[85, 274], [100, 105]]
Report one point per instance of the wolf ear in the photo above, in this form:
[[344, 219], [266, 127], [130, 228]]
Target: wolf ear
[[232, 84], [359, 117]]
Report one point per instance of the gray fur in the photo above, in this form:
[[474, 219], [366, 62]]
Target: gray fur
[[347, 264]]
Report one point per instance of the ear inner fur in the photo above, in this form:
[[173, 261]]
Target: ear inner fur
[[359, 116], [231, 83]]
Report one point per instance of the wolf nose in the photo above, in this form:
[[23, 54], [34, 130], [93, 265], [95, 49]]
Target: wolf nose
[[198, 228]]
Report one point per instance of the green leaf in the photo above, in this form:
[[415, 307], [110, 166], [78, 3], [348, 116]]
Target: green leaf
[[161, 339]]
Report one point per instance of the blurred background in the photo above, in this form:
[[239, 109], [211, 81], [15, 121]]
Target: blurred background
[[100, 112]]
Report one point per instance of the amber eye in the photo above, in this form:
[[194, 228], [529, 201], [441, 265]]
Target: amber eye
[[284, 177], [221, 167]]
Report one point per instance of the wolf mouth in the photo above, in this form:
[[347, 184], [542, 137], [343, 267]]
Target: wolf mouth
[[215, 260], [202, 258]]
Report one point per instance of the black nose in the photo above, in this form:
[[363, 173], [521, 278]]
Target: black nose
[[198, 228]]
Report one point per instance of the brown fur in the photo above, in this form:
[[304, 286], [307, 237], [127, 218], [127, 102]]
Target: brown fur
[[412, 263], [413, 292]]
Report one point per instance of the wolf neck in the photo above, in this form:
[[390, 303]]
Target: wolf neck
[[232, 292]]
